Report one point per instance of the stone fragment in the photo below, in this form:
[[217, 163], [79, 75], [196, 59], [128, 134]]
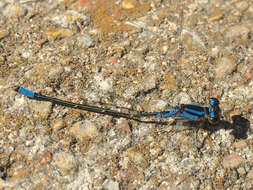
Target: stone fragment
[[122, 175], [112, 60], [2, 4], [123, 125], [58, 124], [53, 33], [242, 5], [249, 74], [3, 33], [149, 82], [69, 18], [104, 84], [83, 130], [215, 17], [44, 71], [42, 109], [240, 144], [192, 40], [238, 31], [250, 174], [226, 65], [181, 98], [137, 157], [112, 185], [128, 4], [251, 8], [85, 41], [46, 157], [64, 162], [241, 171], [232, 161], [14, 10], [157, 105], [81, 4], [169, 82], [215, 51]]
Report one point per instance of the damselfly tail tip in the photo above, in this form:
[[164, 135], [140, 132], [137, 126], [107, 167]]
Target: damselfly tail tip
[[17, 88]]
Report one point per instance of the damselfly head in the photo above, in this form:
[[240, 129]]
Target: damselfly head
[[214, 102], [214, 111]]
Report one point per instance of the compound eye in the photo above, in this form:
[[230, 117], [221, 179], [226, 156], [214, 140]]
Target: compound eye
[[213, 102]]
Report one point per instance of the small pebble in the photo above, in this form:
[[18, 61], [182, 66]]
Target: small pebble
[[241, 171], [169, 82], [122, 175], [15, 10], [240, 144], [85, 41], [79, 74], [112, 185], [226, 66], [104, 84], [42, 108], [65, 162], [157, 105], [128, 4], [79, 4], [3, 33], [215, 17], [164, 49], [181, 98], [2, 4], [232, 161], [238, 31], [215, 51], [58, 124], [83, 130], [136, 157], [249, 74], [112, 60], [54, 33], [46, 157], [250, 174], [242, 5], [123, 125], [192, 41]]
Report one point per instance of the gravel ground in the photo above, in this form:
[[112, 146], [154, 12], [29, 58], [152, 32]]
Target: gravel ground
[[141, 55]]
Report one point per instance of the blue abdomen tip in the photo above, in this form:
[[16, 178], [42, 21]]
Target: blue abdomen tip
[[26, 92]]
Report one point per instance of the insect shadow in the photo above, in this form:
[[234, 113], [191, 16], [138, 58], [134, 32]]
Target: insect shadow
[[4, 168], [239, 125]]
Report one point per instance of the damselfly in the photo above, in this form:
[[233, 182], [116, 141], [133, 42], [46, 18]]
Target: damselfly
[[179, 112]]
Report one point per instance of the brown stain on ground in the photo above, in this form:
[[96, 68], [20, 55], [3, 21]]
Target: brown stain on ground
[[110, 18]]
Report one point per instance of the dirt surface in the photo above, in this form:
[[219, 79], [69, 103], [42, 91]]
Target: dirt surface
[[145, 55]]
